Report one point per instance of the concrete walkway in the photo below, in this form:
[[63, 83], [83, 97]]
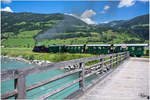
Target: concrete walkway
[[128, 82]]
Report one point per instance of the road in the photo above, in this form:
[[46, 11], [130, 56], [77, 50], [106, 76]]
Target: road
[[128, 82]]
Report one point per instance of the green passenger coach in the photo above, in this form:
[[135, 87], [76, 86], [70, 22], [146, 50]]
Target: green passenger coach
[[134, 49], [98, 49], [74, 48]]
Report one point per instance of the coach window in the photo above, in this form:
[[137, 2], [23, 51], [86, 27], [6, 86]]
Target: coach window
[[139, 48], [133, 48]]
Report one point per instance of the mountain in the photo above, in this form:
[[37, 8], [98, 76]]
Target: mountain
[[139, 20], [69, 24], [15, 22], [138, 25], [24, 29], [113, 24]]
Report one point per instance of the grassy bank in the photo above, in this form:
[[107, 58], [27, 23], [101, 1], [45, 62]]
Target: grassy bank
[[145, 56], [27, 53]]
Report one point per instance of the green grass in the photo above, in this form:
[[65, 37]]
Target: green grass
[[27, 53], [24, 39], [145, 57]]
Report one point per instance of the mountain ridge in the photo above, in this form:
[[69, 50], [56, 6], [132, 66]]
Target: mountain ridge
[[65, 29], [133, 20]]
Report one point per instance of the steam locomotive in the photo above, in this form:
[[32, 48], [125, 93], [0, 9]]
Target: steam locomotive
[[134, 49]]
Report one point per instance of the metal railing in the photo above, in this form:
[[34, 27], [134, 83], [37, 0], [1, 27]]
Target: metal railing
[[106, 64]]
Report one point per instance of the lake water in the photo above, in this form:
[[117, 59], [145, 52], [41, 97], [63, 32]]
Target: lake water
[[35, 93]]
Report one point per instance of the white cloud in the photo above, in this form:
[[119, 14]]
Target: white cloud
[[8, 9], [86, 16], [102, 11], [88, 20], [144, 0], [73, 15], [105, 22], [88, 13], [105, 9], [128, 3], [6, 1]]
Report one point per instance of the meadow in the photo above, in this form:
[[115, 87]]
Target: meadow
[[27, 53]]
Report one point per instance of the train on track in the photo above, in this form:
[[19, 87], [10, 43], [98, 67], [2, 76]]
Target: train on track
[[134, 49]]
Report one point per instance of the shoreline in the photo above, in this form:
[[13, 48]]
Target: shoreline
[[37, 62], [42, 62]]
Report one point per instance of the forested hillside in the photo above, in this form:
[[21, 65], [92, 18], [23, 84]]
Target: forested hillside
[[23, 29], [138, 25]]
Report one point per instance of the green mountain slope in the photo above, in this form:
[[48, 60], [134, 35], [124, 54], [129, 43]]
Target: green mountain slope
[[138, 25], [113, 24], [16, 22], [139, 20], [23, 29], [19, 29]]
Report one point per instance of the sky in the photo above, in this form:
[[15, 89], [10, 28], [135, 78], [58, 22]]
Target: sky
[[92, 12]]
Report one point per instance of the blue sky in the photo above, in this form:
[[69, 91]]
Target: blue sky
[[88, 11]]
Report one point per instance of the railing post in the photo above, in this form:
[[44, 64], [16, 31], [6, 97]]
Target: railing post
[[124, 57], [102, 60], [111, 61], [20, 85], [81, 74], [117, 59], [128, 55], [102, 63], [120, 58]]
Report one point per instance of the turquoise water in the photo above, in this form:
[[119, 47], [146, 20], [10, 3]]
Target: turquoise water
[[35, 93], [13, 64]]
